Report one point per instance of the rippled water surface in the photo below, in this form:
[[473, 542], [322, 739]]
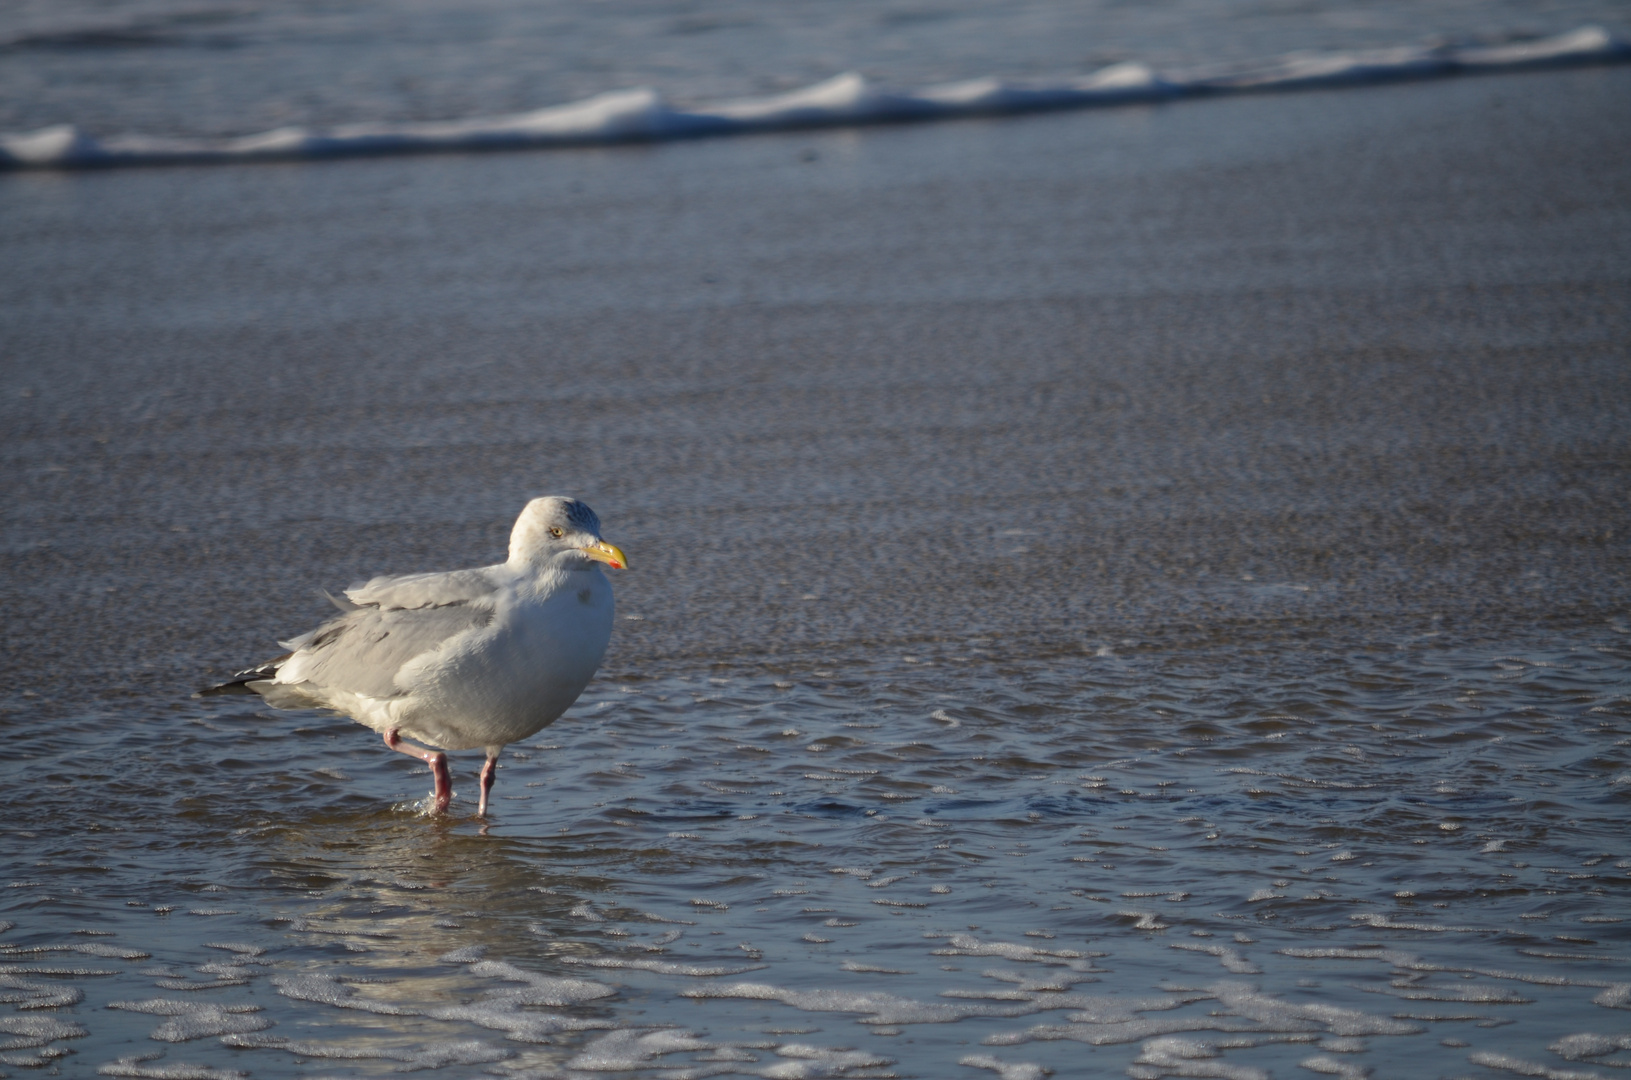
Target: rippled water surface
[[1137, 593], [1401, 856]]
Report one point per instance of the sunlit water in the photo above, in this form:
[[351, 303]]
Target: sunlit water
[[1402, 856], [1137, 593]]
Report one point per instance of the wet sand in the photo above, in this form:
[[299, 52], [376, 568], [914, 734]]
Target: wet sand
[[1250, 391], [1056, 379]]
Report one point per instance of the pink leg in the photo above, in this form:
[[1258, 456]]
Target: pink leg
[[438, 767], [489, 773]]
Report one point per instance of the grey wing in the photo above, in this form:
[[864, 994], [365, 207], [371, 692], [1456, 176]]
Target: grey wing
[[362, 650], [426, 590]]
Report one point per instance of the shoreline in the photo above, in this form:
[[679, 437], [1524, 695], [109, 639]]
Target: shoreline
[[848, 100]]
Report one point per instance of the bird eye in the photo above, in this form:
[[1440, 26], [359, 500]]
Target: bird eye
[[556, 531]]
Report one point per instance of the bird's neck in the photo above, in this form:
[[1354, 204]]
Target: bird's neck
[[548, 575]]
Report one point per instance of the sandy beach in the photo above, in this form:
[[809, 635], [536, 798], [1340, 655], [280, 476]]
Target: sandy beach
[[1268, 375]]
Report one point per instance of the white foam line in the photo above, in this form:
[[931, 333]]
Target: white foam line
[[133, 1067], [969, 945], [1005, 1070], [632, 1049], [1587, 1044], [196, 1020], [877, 1008], [1106, 1021], [433, 1054], [87, 949], [1173, 1055], [852, 965], [1614, 995], [1508, 1063], [641, 115], [662, 967], [33, 995], [1461, 995], [33, 1032], [1231, 959]]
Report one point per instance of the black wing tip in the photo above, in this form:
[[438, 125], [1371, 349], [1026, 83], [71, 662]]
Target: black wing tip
[[237, 687], [239, 683]]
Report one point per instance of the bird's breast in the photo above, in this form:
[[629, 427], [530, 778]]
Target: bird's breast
[[524, 668]]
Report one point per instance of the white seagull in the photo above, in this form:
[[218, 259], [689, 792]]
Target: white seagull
[[464, 658]]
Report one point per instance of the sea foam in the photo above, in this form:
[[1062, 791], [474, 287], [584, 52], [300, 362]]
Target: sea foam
[[643, 115]]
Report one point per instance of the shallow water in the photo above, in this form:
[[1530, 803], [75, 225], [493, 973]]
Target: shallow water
[[1400, 856], [1152, 584]]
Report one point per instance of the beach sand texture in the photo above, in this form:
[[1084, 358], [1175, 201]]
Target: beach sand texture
[[1227, 439]]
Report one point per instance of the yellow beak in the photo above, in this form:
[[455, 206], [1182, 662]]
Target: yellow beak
[[610, 554]]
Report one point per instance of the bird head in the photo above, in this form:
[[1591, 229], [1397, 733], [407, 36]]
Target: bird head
[[561, 530]]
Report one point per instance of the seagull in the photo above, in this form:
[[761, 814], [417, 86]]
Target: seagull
[[463, 658]]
